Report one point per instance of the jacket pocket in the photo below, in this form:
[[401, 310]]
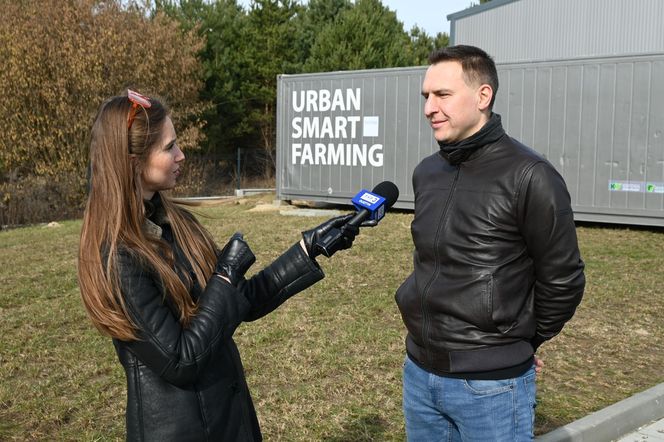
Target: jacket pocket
[[491, 315], [486, 304]]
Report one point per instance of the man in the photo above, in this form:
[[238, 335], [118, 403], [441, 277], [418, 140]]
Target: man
[[497, 269]]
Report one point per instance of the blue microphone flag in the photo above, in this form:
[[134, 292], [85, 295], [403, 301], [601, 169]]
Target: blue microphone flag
[[372, 202]]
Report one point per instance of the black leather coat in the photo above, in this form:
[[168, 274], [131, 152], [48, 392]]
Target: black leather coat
[[497, 268], [188, 384]]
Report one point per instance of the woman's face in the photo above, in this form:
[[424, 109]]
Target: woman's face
[[162, 167]]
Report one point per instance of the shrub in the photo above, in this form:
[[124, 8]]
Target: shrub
[[60, 60], [36, 199]]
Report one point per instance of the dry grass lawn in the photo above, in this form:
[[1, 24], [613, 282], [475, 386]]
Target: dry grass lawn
[[327, 365]]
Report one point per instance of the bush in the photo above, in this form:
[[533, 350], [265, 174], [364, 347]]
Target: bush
[[37, 199], [60, 60], [216, 174], [206, 175]]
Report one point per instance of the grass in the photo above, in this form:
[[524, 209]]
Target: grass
[[326, 366]]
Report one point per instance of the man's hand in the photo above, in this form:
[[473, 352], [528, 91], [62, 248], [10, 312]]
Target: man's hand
[[539, 365]]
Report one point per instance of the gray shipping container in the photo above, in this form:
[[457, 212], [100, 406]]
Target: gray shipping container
[[340, 132], [600, 121]]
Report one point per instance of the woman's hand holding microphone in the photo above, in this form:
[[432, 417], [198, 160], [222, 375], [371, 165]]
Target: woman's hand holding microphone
[[236, 257], [311, 237]]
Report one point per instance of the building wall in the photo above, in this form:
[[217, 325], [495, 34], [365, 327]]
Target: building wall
[[600, 122], [529, 30], [580, 83]]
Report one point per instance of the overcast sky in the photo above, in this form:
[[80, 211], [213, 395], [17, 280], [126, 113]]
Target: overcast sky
[[430, 15]]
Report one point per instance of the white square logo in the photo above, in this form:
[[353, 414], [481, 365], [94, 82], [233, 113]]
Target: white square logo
[[370, 126]]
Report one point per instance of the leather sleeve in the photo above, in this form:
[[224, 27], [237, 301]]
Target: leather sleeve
[[289, 274], [177, 354], [547, 225]]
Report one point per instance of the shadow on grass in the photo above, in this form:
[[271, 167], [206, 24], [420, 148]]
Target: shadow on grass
[[371, 428], [365, 428], [545, 424], [616, 226]]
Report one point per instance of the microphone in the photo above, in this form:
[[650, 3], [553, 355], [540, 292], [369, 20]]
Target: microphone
[[370, 206]]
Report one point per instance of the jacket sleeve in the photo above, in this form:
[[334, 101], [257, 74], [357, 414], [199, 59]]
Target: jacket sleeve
[[548, 229], [176, 353], [289, 274]]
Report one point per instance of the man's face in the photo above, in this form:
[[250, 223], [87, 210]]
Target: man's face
[[454, 109]]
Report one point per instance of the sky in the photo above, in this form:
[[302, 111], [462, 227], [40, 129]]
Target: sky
[[430, 15]]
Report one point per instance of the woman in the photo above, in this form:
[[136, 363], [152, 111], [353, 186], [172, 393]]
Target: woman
[[152, 278]]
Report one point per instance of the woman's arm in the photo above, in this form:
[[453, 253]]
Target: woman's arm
[[293, 271], [289, 274], [176, 353]]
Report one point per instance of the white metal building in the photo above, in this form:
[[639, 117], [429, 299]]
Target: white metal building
[[533, 30], [582, 82]]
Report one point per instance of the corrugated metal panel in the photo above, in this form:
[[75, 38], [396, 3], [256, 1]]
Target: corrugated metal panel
[[527, 30], [600, 122], [391, 96]]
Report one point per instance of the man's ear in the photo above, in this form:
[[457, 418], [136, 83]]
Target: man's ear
[[485, 94]]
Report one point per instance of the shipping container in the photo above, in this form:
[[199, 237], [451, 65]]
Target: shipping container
[[600, 121], [340, 132]]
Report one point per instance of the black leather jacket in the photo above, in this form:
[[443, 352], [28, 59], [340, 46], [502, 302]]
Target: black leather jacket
[[497, 268], [188, 384]]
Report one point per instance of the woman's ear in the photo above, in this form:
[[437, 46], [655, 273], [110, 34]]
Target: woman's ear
[[485, 94]]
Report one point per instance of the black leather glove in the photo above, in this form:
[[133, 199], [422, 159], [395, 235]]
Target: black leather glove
[[344, 235], [235, 259]]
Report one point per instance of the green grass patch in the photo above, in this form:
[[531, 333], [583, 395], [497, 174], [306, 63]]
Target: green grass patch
[[326, 366]]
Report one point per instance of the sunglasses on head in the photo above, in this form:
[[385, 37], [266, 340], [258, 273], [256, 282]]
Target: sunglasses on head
[[136, 100]]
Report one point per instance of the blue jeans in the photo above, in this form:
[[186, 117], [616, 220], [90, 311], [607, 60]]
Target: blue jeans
[[448, 409]]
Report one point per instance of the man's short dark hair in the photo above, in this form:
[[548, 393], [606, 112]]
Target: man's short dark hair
[[478, 66]]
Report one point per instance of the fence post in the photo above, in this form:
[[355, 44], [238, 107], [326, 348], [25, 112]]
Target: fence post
[[238, 168]]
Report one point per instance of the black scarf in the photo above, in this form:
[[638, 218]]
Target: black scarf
[[457, 153], [152, 205], [154, 210]]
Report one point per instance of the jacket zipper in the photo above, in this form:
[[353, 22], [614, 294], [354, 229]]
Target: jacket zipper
[[443, 216]]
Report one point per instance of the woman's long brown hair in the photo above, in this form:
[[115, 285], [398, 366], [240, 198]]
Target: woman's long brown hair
[[115, 215]]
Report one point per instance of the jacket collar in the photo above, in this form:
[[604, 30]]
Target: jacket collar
[[155, 216], [151, 229], [460, 151]]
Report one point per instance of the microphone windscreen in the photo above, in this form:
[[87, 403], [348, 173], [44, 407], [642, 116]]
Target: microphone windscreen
[[389, 191]]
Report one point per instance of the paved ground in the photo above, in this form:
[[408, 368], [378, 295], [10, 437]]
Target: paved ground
[[635, 419], [653, 432]]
